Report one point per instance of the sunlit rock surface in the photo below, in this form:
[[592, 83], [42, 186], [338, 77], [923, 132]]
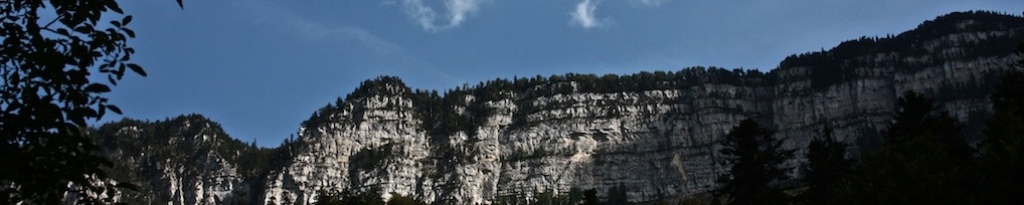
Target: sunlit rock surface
[[656, 143]]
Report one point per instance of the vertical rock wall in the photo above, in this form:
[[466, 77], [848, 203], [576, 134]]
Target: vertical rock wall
[[492, 142]]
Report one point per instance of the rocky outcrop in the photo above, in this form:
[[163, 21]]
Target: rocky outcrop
[[185, 160], [656, 134], [655, 142], [370, 142]]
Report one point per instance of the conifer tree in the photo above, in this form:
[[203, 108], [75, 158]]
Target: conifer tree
[[827, 167], [755, 160], [923, 159], [1002, 142]]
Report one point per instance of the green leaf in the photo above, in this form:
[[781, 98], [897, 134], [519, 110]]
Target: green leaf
[[127, 19], [114, 109], [83, 29], [120, 71], [129, 32], [113, 6], [63, 31], [115, 23], [137, 69], [101, 111], [97, 88], [181, 5], [88, 113]]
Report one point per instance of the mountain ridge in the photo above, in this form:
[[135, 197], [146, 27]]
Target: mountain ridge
[[526, 135]]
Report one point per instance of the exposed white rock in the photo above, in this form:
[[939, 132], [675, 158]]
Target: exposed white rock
[[656, 143]]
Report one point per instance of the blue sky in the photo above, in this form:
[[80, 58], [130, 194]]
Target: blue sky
[[260, 67]]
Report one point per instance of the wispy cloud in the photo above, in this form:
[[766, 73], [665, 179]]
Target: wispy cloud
[[650, 3], [264, 12], [456, 12], [585, 15], [268, 13]]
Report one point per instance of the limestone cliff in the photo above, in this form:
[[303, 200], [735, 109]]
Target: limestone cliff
[[184, 160], [660, 140], [656, 134]]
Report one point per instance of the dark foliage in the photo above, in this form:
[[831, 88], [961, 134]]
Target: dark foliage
[[840, 63], [370, 158], [398, 199], [590, 197], [51, 53], [370, 197], [1002, 141], [756, 173], [826, 171], [573, 197], [618, 195], [923, 160], [347, 197]]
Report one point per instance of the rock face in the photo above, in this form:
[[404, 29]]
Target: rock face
[[177, 161], [656, 134], [370, 142]]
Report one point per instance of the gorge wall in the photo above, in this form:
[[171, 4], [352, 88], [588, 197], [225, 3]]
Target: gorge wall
[[656, 134]]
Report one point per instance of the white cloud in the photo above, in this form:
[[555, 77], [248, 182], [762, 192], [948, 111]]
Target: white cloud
[[427, 17], [585, 15], [651, 3]]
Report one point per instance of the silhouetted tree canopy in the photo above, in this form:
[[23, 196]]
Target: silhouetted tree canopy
[[827, 168], [52, 51], [755, 161], [1002, 141], [923, 160]]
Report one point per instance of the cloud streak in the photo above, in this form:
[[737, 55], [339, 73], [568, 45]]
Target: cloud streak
[[650, 3], [263, 12], [456, 12], [345, 35], [585, 15]]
